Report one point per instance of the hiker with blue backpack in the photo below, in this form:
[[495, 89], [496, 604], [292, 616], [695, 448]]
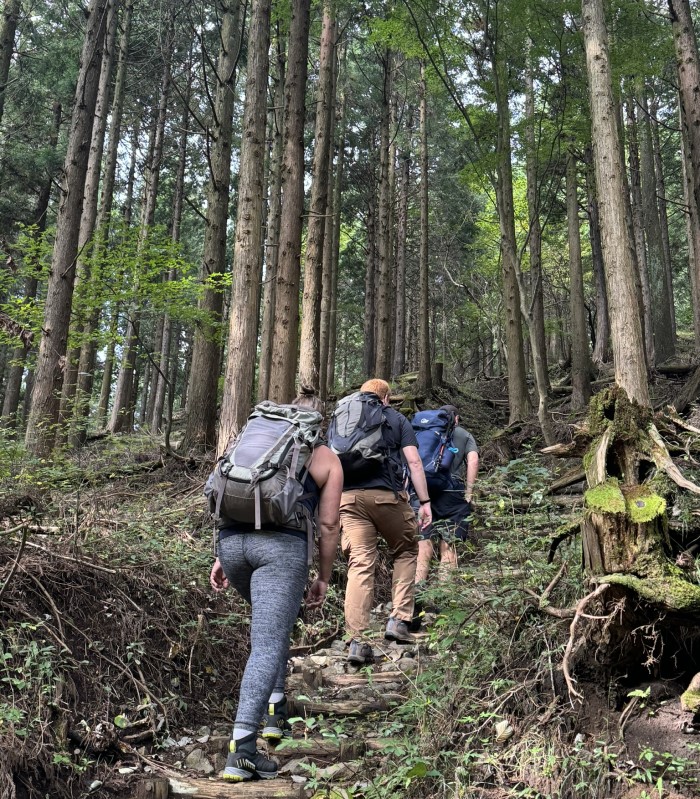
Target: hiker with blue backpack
[[373, 442], [451, 462], [275, 481]]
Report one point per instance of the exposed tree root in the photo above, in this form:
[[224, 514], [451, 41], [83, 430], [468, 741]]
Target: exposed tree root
[[574, 694]]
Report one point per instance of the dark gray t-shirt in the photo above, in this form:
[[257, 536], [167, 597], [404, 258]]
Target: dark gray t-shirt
[[464, 443]]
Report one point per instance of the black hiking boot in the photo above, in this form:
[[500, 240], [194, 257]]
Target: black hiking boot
[[275, 724], [246, 763]]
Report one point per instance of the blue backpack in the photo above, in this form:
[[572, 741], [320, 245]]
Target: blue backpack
[[433, 431]]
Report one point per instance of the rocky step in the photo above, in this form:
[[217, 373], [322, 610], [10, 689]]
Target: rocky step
[[345, 708], [315, 749], [318, 678]]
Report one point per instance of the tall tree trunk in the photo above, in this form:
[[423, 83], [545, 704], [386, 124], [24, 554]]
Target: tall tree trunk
[[87, 228], [10, 405], [328, 243], [8, 28], [285, 342], [128, 207], [639, 231], [124, 395], [518, 398], [425, 376], [107, 370], [247, 253], [692, 216], [200, 429], [626, 329], [399, 365], [310, 353], [664, 345], [580, 358], [335, 252], [601, 352], [273, 224], [537, 334], [368, 349], [382, 365], [161, 376], [88, 351], [662, 209], [54, 340]]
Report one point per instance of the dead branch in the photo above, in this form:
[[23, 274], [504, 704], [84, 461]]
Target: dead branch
[[663, 461], [15, 565], [580, 607]]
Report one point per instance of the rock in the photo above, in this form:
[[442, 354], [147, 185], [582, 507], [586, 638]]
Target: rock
[[128, 770], [184, 741], [198, 761], [298, 779], [338, 646], [407, 665], [319, 660], [295, 766]]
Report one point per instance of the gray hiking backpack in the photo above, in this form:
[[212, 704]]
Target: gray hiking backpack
[[260, 477], [356, 433]]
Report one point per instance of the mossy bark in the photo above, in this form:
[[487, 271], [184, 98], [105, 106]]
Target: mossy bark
[[625, 527]]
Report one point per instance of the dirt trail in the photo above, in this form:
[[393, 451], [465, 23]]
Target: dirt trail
[[339, 743]]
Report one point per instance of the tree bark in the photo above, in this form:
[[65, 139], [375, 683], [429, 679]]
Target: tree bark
[[285, 344], [664, 345], [382, 363], [399, 365], [273, 225], [518, 398], [580, 359], [124, 394], [8, 28], [368, 350], [202, 394], [247, 253], [640, 243], [626, 329], [335, 246], [54, 340], [662, 209], [692, 218], [601, 351], [425, 376], [81, 314], [310, 354]]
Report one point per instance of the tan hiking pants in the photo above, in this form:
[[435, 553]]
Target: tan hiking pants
[[364, 513]]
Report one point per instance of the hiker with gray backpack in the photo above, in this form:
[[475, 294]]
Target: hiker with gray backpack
[[373, 442], [274, 483]]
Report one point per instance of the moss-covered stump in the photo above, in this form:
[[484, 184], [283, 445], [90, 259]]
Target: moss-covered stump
[[625, 526]]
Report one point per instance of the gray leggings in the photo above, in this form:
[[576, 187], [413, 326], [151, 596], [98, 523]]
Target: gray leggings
[[269, 570]]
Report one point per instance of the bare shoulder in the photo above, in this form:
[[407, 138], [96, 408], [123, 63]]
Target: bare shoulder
[[324, 464]]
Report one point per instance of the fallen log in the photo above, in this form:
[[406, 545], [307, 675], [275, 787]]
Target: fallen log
[[187, 788]]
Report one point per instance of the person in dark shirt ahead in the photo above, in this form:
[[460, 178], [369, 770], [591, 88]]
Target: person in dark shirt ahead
[[374, 503]]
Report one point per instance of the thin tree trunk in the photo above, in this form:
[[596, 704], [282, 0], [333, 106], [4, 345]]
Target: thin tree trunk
[[662, 209], [370, 295], [328, 243], [124, 395], [518, 398], [156, 415], [54, 340], [310, 352], [88, 351], [664, 345], [107, 370], [382, 365], [247, 253], [335, 252], [10, 406], [399, 365], [8, 28], [425, 376], [627, 341], [692, 217], [537, 332], [580, 358], [273, 225], [285, 342], [639, 231], [601, 352], [87, 229], [200, 429]]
